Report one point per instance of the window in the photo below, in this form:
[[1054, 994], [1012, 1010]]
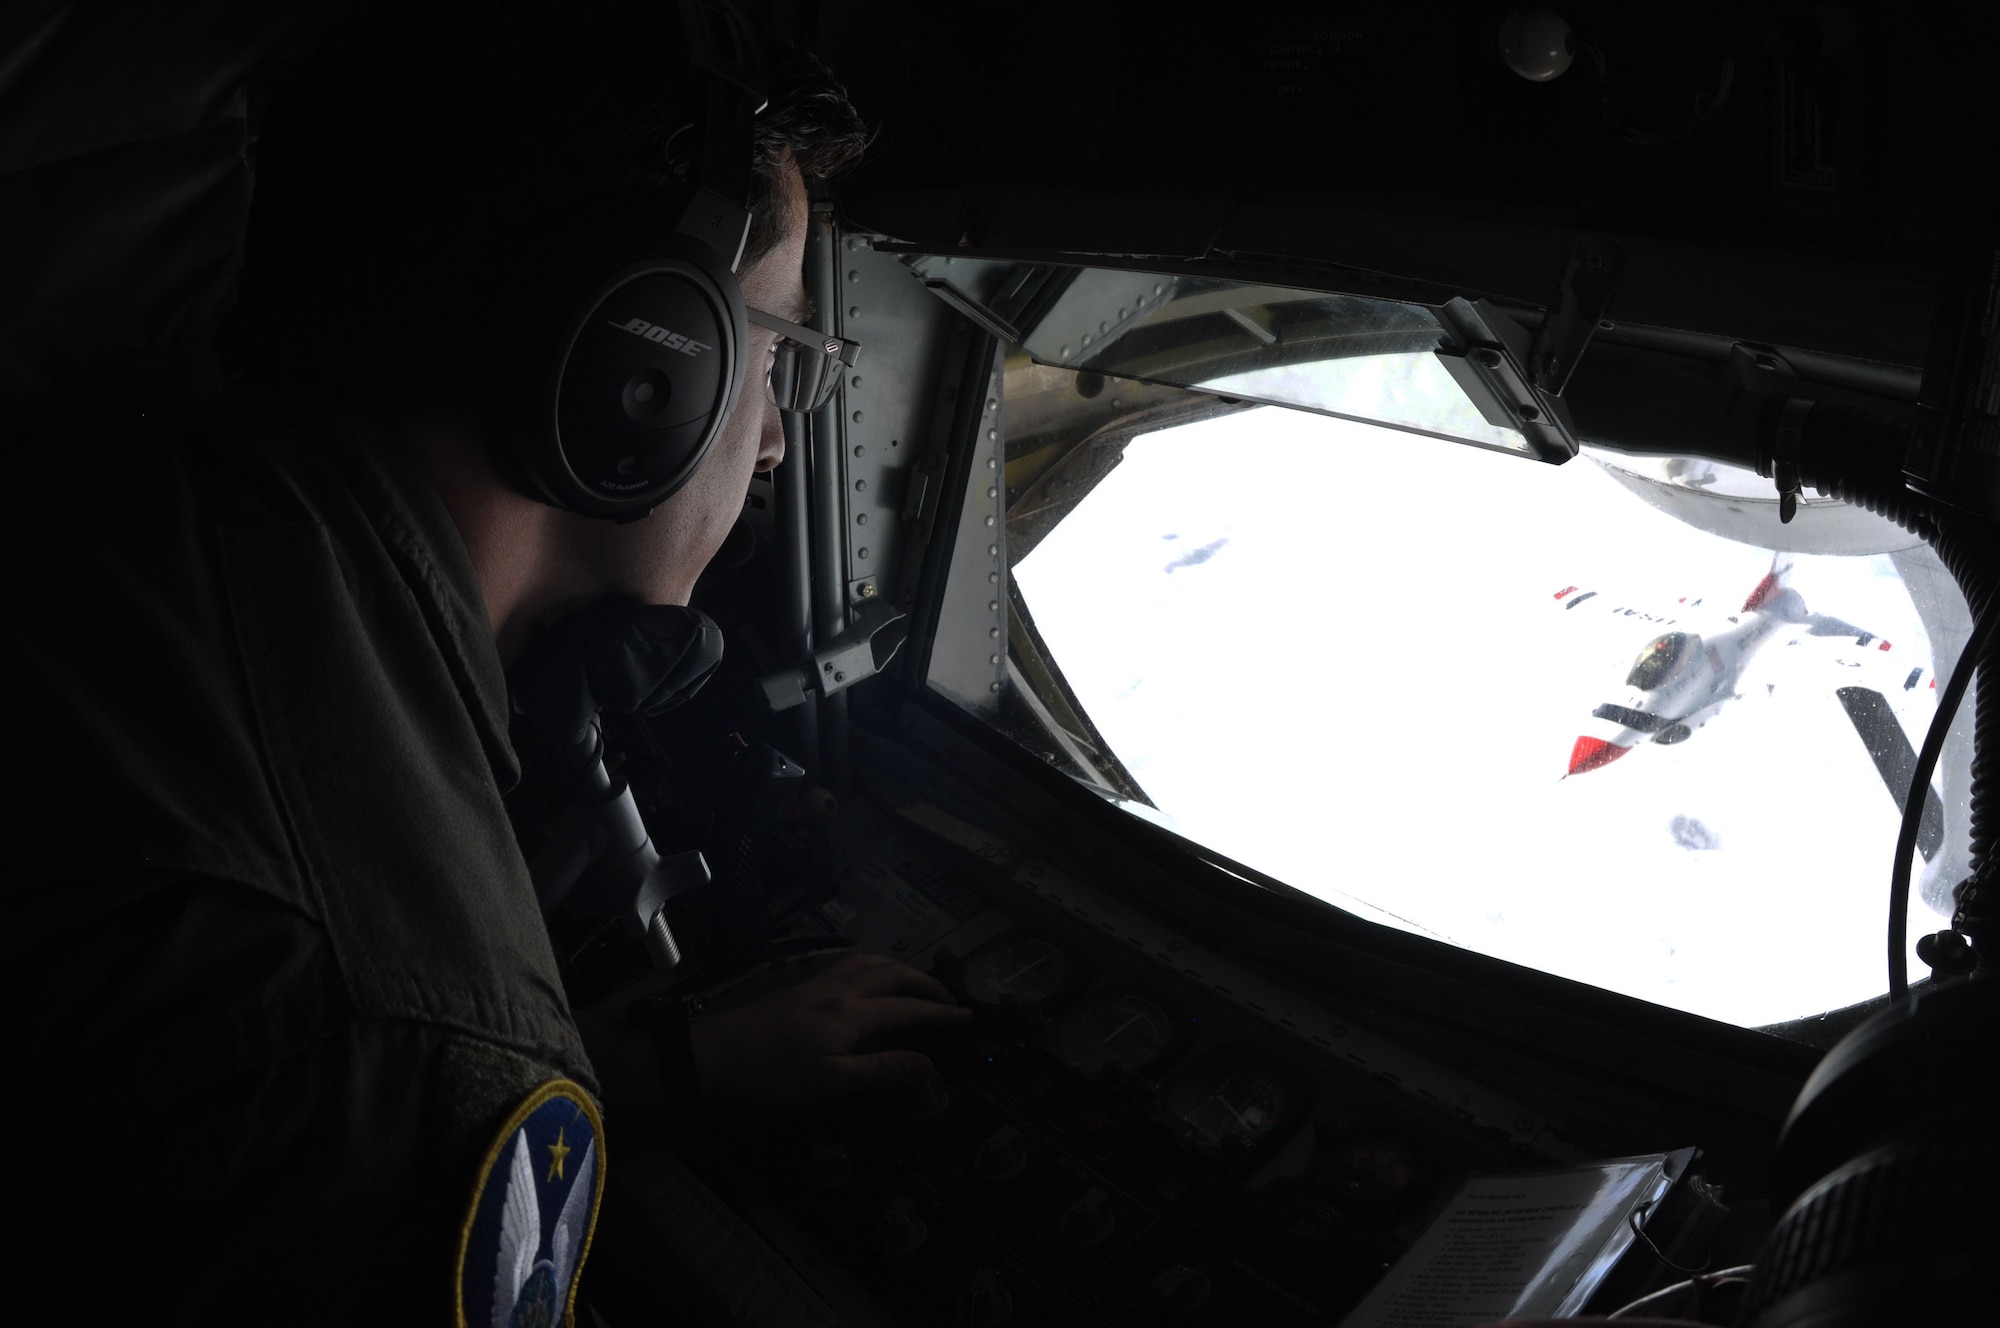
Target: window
[[1368, 663]]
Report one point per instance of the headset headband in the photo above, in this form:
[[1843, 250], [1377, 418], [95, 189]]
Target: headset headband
[[721, 45]]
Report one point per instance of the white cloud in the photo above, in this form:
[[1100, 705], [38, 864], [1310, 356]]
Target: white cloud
[[1369, 689]]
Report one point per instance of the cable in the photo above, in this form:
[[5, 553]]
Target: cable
[[1634, 1220], [1707, 1281], [1913, 800]]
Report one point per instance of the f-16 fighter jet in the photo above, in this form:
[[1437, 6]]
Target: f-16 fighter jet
[[1682, 679]]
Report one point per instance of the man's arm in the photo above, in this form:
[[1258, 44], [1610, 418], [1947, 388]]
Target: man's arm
[[203, 1131]]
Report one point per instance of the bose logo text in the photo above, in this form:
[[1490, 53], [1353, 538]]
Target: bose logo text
[[639, 327]]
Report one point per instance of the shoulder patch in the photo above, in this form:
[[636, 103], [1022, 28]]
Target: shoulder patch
[[533, 1210]]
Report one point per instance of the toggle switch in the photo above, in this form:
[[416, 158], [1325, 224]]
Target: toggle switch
[[1003, 1156], [1184, 1289], [1087, 1222], [900, 1230], [984, 1303]]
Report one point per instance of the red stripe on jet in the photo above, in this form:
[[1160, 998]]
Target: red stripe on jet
[[1762, 594]]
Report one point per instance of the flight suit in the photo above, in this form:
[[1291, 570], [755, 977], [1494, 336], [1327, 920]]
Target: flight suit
[[270, 958]]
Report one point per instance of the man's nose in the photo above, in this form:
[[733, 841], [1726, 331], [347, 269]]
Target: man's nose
[[771, 443]]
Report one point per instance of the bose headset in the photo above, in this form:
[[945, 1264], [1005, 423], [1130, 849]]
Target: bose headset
[[647, 358]]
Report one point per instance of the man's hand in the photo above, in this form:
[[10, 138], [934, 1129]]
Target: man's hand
[[797, 1046]]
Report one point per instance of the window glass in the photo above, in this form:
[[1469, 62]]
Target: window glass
[[1398, 674], [1361, 357]]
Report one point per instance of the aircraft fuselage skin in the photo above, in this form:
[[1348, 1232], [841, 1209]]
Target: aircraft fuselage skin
[[1697, 691]]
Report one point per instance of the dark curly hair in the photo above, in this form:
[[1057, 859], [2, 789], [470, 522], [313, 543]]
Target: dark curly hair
[[436, 160]]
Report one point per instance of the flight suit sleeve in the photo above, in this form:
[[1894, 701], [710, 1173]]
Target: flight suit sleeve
[[205, 1132]]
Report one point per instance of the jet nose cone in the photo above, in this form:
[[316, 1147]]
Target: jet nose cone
[[1590, 753]]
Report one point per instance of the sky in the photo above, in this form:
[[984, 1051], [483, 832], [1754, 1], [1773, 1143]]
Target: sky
[[1332, 651]]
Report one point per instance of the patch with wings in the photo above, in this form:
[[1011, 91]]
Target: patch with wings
[[532, 1213]]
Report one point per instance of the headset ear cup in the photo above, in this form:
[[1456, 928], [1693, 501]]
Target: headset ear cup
[[645, 366]]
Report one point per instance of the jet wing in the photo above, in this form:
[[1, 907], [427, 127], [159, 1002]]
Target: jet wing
[[1571, 598], [1895, 759], [1869, 658], [1820, 624]]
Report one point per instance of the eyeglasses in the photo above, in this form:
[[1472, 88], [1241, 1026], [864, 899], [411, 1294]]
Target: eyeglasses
[[805, 365]]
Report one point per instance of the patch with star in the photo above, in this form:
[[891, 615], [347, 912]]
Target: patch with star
[[532, 1214]]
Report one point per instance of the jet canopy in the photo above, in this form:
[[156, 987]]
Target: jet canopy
[[1662, 660]]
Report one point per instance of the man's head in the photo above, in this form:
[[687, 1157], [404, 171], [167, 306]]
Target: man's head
[[424, 188], [657, 559]]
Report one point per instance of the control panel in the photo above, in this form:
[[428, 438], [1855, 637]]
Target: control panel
[[1134, 1130]]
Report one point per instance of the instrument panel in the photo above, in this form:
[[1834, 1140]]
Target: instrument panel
[[1113, 1140]]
